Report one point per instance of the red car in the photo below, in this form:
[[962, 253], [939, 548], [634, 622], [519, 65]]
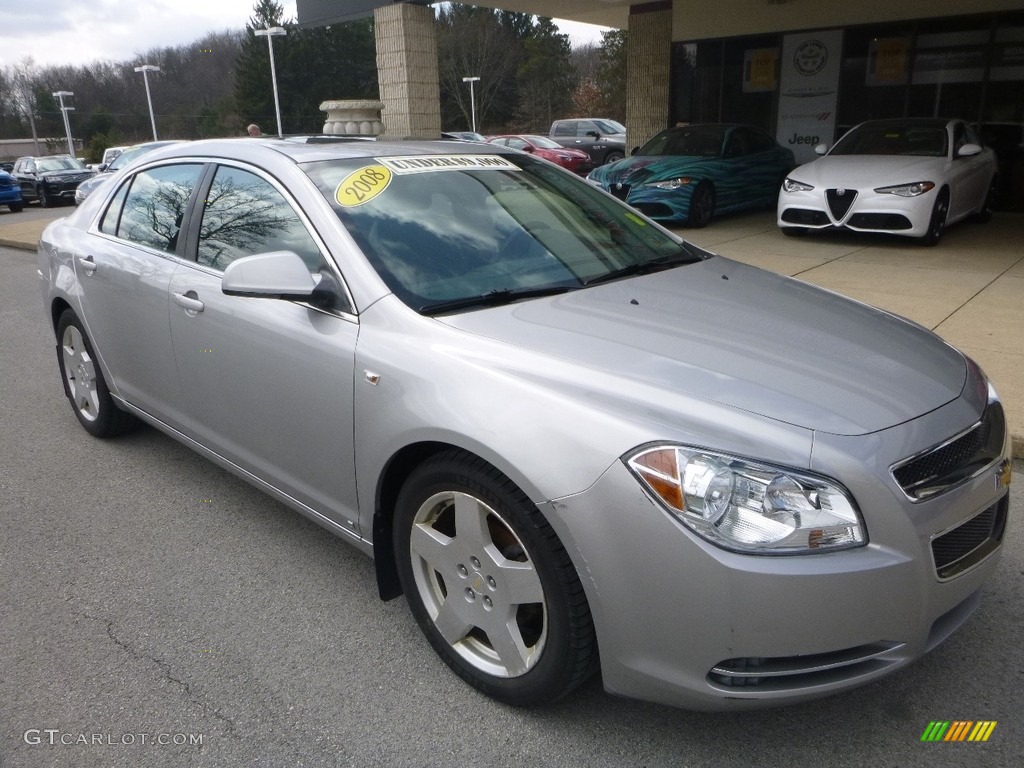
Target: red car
[[541, 146]]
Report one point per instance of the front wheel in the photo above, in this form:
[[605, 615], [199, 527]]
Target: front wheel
[[937, 223], [702, 205], [489, 583], [45, 201], [84, 384]]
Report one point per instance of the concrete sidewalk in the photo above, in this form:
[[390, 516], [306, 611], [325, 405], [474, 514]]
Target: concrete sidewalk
[[969, 289]]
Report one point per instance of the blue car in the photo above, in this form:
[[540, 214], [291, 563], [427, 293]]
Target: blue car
[[689, 173], [10, 192]]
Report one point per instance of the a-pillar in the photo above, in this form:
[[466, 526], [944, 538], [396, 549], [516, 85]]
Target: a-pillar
[[407, 71], [648, 60]]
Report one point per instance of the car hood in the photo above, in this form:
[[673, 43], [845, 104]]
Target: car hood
[[70, 174], [742, 337], [859, 171], [635, 170]]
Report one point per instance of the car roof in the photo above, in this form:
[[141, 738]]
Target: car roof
[[301, 152]]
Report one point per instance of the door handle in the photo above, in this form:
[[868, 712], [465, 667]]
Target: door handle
[[190, 301], [88, 264]]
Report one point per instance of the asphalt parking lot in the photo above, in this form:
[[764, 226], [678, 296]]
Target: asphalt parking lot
[[150, 597]]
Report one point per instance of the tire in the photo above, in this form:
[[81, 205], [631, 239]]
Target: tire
[[985, 214], [793, 231], [613, 157], [466, 541], [45, 201], [84, 384], [16, 207], [702, 206], [937, 222]]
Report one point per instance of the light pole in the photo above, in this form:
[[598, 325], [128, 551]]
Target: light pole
[[59, 95], [472, 100], [270, 33], [145, 69]]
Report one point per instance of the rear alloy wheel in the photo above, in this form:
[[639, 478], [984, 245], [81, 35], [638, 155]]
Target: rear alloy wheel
[[612, 157], [84, 384], [702, 205], [489, 583], [937, 223]]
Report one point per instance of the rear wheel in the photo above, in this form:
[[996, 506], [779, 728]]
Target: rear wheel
[[489, 583], [16, 207], [612, 157], [84, 384], [702, 205], [937, 223]]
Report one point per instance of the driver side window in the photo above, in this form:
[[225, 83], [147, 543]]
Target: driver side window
[[244, 215]]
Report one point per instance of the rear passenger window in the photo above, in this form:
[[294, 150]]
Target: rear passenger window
[[155, 205], [112, 216], [245, 215]]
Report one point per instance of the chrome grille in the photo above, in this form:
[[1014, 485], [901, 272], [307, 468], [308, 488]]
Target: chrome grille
[[965, 546], [839, 201], [958, 459]]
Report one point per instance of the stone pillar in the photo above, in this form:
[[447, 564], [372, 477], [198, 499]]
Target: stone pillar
[[407, 71], [648, 60]]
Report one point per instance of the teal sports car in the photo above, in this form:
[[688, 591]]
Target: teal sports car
[[689, 173]]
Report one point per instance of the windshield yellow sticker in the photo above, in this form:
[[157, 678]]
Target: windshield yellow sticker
[[636, 219], [429, 163], [363, 185]]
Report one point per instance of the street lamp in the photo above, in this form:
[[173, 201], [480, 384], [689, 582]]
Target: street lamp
[[472, 101], [59, 95], [145, 69], [270, 33]]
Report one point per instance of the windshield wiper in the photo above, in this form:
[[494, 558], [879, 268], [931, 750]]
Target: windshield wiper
[[644, 268], [493, 298]]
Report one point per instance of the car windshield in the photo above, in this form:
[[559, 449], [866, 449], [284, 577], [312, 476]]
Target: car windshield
[[894, 139], [691, 141], [44, 164], [609, 126], [457, 231], [543, 142]]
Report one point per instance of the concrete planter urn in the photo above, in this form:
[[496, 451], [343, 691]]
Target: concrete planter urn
[[353, 118]]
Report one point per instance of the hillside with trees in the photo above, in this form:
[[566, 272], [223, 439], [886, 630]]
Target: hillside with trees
[[529, 74]]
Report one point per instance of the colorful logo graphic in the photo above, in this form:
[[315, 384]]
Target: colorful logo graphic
[[958, 730]]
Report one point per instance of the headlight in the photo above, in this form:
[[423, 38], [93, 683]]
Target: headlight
[[682, 181], [791, 185], [907, 190], [747, 506]]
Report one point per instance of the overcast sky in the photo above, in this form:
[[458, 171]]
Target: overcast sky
[[80, 31]]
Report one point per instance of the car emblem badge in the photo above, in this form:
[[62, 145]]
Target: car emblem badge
[[618, 185], [840, 192]]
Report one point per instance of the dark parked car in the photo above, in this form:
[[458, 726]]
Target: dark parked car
[[50, 179], [692, 172], [601, 138], [10, 192]]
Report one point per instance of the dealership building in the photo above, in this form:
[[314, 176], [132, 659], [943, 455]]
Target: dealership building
[[804, 71]]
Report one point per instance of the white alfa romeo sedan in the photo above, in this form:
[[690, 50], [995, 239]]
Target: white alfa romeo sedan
[[909, 177], [577, 444]]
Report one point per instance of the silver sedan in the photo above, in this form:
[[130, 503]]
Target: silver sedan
[[577, 444]]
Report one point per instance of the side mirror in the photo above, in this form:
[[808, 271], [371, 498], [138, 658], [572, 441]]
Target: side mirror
[[969, 150], [529, 148], [275, 275], [634, 150], [821, 149], [594, 134]]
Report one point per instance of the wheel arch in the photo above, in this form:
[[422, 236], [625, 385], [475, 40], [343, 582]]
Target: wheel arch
[[57, 308]]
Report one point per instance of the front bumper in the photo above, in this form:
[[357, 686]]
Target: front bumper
[[658, 204], [869, 211], [684, 623]]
